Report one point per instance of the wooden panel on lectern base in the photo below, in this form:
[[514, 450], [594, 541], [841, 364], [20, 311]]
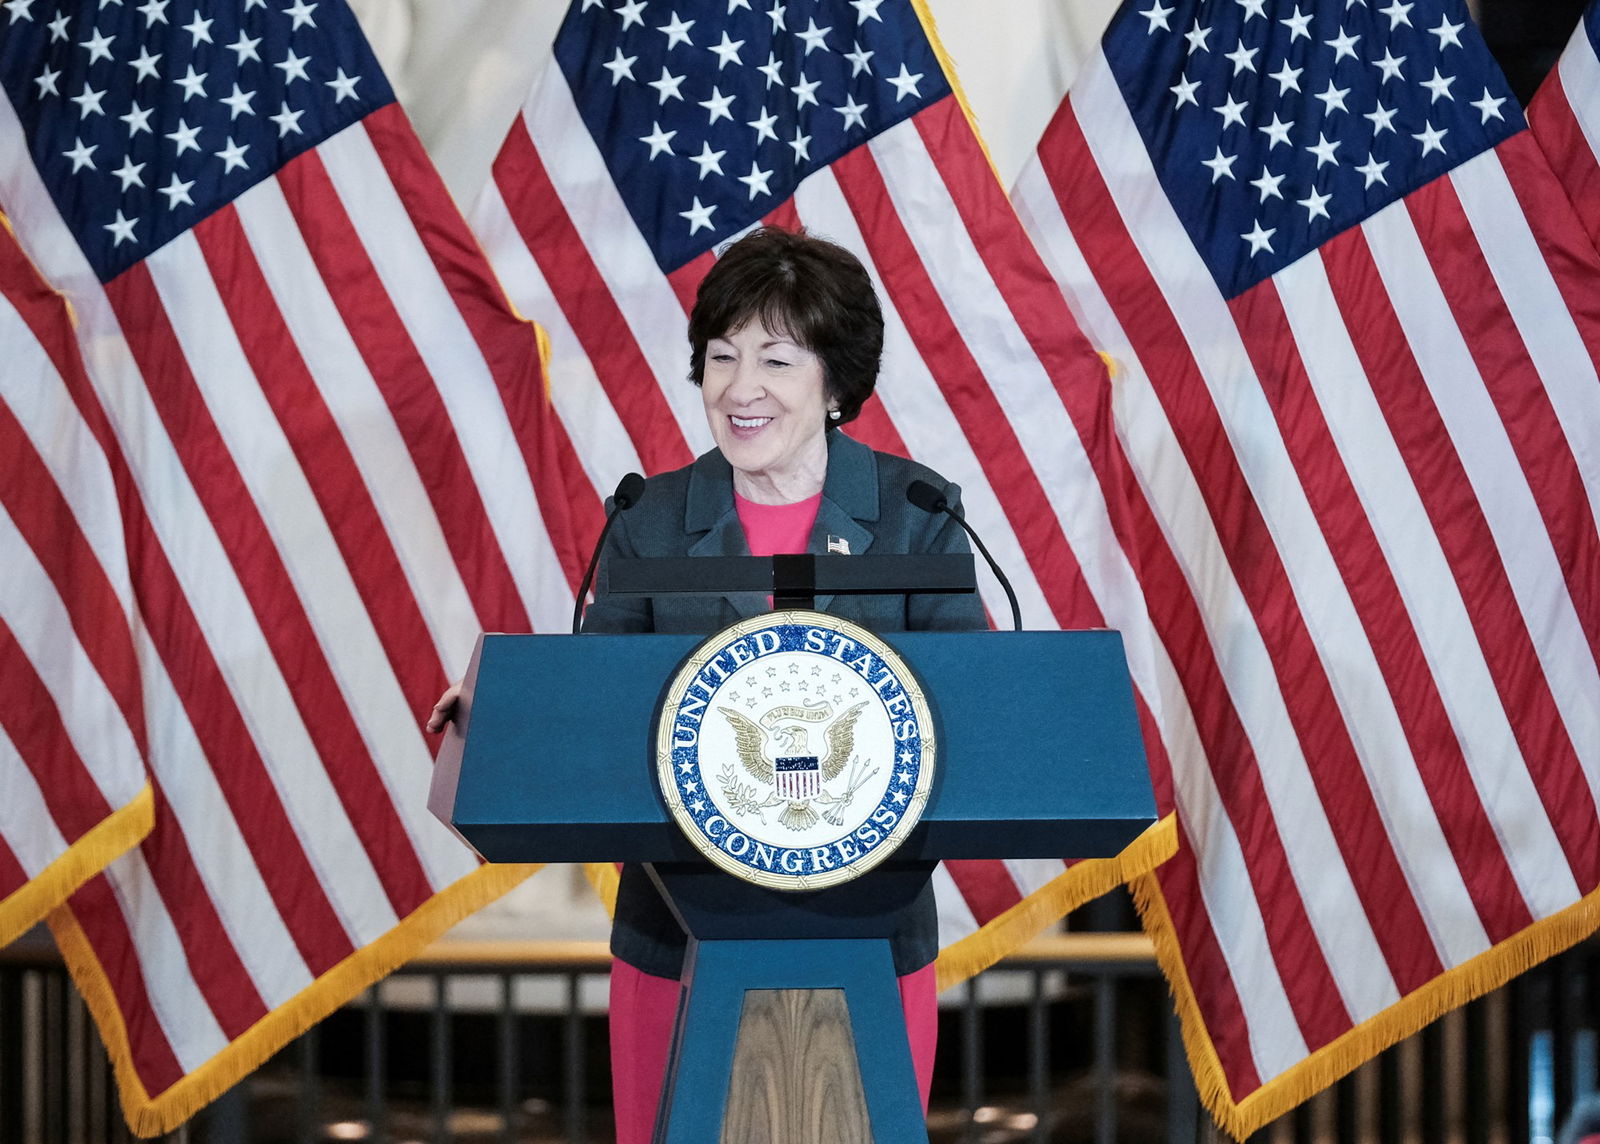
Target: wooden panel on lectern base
[[795, 1076]]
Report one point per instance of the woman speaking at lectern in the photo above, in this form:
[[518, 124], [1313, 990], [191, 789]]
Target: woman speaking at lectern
[[785, 339]]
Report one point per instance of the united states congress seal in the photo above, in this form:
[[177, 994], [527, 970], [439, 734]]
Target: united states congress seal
[[795, 750]]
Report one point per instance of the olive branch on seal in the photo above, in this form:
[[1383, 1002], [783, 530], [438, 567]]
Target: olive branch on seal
[[742, 798]]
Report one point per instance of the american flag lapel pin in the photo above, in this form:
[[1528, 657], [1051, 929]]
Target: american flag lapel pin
[[838, 546]]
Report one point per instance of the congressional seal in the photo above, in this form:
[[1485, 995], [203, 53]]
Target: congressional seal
[[795, 750]]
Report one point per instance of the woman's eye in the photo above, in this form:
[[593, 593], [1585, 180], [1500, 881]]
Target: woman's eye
[[778, 362]]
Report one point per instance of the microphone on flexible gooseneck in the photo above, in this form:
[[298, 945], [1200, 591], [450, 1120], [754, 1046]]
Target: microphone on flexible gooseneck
[[929, 499], [629, 489]]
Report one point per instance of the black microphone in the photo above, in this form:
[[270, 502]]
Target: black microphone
[[629, 489], [929, 499]]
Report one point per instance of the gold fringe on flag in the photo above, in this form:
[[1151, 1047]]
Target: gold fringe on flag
[[111, 838], [604, 877], [152, 1116], [931, 30], [1081, 882], [1452, 989]]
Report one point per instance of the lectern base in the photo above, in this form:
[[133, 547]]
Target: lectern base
[[818, 1052]]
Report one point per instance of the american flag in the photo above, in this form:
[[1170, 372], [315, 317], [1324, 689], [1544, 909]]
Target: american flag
[[664, 128], [1565, 117], [1357, 385], [72, 735], [328, 439]]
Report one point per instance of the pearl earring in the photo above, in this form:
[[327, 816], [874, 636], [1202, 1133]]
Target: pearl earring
[[833, 415]]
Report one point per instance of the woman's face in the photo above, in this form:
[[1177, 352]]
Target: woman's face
[[767, 406]]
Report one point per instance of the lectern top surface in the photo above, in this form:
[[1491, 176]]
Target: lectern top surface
[[1038, 734]]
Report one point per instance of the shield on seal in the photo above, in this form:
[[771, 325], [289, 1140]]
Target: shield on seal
[[798, 776]]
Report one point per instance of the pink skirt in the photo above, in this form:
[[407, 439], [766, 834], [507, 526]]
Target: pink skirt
[[644, 1009]]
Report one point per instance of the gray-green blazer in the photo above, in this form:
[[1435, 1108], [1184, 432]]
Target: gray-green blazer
[[690, 512]]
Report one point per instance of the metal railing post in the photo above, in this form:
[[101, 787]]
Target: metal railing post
[[308, 1105], [12, 1054], [375, 1054], [1433, 1087], [509, 1060], [54, 994], [1519, 1038], [227, 1118], [1039, 1059], [440, 1059], [574, 1088], [1346, 1111], [1183, 1099], [1390, 1128], [1557, 972], [1304, 1127], [1475, 1108], [1105, 1058], [971, 1057]]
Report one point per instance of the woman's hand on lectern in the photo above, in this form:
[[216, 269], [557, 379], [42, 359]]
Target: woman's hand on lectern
[[445, 709]]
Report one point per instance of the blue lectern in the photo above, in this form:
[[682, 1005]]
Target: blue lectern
[[551, 760]]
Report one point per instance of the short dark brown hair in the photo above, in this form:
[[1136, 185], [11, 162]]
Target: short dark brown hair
[[807, 289]]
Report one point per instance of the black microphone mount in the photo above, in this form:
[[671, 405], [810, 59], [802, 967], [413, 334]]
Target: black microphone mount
[[629, 489], [929, 499]]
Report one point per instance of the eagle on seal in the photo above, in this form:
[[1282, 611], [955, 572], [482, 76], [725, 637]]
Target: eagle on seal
[[793, 739]]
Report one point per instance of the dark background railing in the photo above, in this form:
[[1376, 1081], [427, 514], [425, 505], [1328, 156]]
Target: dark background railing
[[1071, 1040]]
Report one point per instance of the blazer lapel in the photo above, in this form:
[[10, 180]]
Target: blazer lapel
[[708, 509], [849, 503]]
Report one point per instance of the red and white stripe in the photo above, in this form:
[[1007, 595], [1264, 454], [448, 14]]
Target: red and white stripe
[[72, 735], [328, 428], [1365, 554], [1565, 117], [985, 375]]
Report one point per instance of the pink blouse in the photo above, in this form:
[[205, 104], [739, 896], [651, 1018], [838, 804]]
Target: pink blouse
[[774, 529]]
